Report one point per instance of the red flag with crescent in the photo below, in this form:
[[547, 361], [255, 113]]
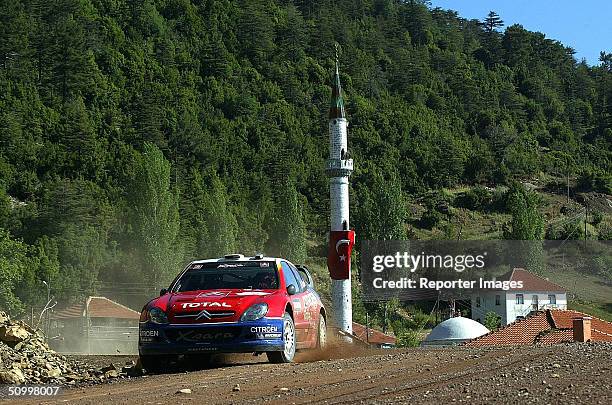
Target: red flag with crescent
[[339, 255]]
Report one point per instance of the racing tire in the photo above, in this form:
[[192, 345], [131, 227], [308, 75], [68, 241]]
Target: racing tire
[[290, 341], [322, 333], [155, 364]]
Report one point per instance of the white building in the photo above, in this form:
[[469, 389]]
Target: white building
[[536, 294]]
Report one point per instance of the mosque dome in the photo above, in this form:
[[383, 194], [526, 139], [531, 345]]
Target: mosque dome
[[454, 331]]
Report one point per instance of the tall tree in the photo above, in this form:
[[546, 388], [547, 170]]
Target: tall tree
[[155, 217], [492, 22]]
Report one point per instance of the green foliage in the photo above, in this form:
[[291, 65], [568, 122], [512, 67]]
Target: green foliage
[[527, 222], [219, 228], [477, 198], [492, 321], [408, 338], [155, 217], [112, 109], [288, 235], [595, 180], [14, 263], [381, 214]]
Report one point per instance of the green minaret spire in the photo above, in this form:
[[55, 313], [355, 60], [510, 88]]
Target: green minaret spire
[[336, 105]]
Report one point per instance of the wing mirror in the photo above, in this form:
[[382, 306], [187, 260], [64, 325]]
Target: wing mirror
[[291, 290], [163, 291]]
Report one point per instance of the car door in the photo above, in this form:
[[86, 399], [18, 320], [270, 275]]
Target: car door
[[300, 318], [312, 304]]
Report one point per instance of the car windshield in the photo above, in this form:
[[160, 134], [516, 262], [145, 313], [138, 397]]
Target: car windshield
[[229, 275]]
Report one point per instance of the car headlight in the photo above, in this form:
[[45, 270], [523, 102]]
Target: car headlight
[[255, 312], [156, 315]]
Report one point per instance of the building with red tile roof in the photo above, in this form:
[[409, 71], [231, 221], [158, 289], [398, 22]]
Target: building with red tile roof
[[526, 293], [372, 337], [551, 326], [97, 307], [95, 325]]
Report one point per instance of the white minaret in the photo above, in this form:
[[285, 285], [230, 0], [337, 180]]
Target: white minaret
[[339, 168]]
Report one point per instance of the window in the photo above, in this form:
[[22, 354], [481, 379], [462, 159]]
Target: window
[[301, 283], [552, 299], [497, 300], [228, 275], [519, 299], [289, 276], [477, 302]]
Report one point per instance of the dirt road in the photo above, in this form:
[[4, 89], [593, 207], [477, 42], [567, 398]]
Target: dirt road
[[574, 373]]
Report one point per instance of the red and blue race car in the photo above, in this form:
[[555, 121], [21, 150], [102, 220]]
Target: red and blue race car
[[233, 304]]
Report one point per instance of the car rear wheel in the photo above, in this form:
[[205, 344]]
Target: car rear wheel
[[288, 353], [322, 338]]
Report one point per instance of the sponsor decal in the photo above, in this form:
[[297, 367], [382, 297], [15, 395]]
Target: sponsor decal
[[268, 335], [194, 336], [197, 266], [247, 293], [149, 333], [264, 264], [213, 294], [264, 329], [297, 305], [186, 305]]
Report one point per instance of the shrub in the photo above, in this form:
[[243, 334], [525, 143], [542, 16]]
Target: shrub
[[492, 320]]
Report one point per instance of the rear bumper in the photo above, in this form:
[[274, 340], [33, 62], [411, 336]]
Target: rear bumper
[[263, 335]]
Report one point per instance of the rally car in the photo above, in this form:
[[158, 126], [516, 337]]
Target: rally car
[[233, 304]]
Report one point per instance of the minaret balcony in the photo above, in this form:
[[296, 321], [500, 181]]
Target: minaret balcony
[[339, 167]]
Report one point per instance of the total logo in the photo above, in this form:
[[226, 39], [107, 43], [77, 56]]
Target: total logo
[[185, 305]]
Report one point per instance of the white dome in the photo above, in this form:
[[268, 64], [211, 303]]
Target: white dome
[[455, 330]]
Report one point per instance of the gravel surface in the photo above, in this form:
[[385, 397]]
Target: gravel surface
[[572, 373]]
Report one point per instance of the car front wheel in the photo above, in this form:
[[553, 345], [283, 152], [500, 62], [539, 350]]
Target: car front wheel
[[288, 353], [322, 338]]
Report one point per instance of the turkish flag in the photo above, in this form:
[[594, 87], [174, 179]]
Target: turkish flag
[[339, 255]]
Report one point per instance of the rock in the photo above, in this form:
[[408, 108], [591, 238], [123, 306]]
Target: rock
[[111, 373], [186, 391], [108, 368], [3, 317], [236, 388], [54, 372], [13, 333], [14, 376], [284, 389]]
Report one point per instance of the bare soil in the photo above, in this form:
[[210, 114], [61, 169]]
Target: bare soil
[[573, 373]]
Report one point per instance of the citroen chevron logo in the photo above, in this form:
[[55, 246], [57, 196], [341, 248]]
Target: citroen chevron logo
[[203, 314]]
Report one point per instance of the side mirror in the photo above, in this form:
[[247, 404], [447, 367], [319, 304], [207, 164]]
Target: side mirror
[[291, 290], [163, 291]]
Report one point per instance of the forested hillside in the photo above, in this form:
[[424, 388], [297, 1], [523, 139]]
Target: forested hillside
[[137, 134]]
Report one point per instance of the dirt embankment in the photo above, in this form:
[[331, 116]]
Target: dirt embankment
[[573, 373]]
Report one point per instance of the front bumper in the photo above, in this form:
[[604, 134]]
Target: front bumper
[[263, 335]]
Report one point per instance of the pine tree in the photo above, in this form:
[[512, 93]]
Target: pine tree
[[218, 236], [155, 217], [492, 22]]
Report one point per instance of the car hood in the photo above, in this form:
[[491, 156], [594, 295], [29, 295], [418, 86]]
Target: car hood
[[213, 305]]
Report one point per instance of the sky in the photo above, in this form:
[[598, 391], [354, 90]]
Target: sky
[[586, 26]]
